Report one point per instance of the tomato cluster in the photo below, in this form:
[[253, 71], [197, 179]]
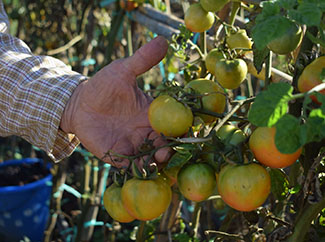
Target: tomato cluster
[[137, 198], [226, 160]]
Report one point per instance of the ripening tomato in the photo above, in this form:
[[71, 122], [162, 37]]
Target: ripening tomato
[[197, 19], [262, 144], [196, 181], [288, 42], [311, 76], [231, 73], [211, 59], [231, 133], [213, 5], [169, 117], [214, 98], [239, 39], [114, 206], [128, 5], [244, 187], [146, 199], [252, 70]]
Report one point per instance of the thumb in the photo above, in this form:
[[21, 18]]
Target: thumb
[[147, 56]]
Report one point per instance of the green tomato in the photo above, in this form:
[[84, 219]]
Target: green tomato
[[288, 42], [197, 19], [213, 5]]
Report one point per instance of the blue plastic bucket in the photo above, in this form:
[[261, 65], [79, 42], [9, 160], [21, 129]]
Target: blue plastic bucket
[[24, 210]]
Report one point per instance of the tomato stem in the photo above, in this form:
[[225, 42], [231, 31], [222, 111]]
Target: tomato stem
[[268, 69], [234, 11], [196, 218], [305, 220], [140, 233]]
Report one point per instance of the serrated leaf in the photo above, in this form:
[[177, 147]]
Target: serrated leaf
[[287, 135], [308, 13], [279, 184], [259, 57], [270, 105], [179, 159], [287, 4], [315, 125], [270, 8]]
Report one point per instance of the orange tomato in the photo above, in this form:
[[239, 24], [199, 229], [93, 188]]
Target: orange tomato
[[311, 76], [244, 187], [262, 145], [146, 199]]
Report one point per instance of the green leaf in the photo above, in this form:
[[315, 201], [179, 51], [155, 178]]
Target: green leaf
[[279, 184], [269, 29], [287, 135], [179, 159], [270, 105], [315, 125], [259, 57], [308, 13]]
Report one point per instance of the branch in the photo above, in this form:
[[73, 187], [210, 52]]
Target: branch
[[66, 46]]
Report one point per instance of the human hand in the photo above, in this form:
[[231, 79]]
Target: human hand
[[109, 111]]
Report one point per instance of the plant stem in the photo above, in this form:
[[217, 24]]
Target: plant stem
[[129, 37], [234, 11], [116, 23], [196, 219], [304, 221], [268, 69], [225, 235], [140, 233]]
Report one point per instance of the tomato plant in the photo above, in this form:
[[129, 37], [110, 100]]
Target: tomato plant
[[244, 187], [196, 181], [169, 117], [197, 19], [230, 73], [113, 204], [213, 98], [146, 199]]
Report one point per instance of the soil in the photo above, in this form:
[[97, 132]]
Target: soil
[[14, 175]]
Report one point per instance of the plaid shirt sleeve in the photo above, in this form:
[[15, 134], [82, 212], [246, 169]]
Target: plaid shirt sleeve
[[33, 93]]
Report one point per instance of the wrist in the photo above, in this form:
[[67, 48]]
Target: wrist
[[69, 113]]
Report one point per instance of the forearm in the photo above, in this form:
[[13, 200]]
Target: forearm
[[34, 91]]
